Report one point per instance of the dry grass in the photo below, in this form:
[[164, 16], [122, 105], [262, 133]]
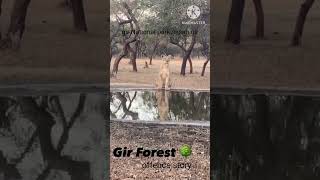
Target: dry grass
[[150, 75], [51, 51], [269, 62]]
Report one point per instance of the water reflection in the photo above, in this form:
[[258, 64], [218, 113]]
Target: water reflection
[[53, 137], [160, 105], [266, 137]]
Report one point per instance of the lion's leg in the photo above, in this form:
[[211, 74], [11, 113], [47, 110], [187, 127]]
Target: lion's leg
[[163, 81], [160, 83], [167, 86]]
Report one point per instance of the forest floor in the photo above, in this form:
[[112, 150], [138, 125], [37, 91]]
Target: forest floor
[[154, 136], [51, 52], [270, 62], [148, 76]]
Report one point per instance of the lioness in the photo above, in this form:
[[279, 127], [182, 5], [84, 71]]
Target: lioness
[[164, 73]]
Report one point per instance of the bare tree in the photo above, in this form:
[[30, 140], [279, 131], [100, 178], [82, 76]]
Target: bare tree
[[43, 121], [124, 97], [0, 16], [234, 22], [132, 38], [260, 18], [17, 24], [18, 18], [205, 53], [155, 46], [186, 51], [120, 23], [79, 19], [236, 15], [190, 63], [304, 9], [204, 66]]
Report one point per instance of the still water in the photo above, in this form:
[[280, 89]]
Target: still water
[[160, 105], [56, 137], [266, 137]]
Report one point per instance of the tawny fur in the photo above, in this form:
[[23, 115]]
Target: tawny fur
[[163, 104], [164, 73]]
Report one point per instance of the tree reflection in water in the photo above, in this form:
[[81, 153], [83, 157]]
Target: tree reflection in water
[[160, 105], [266, 137], [52, 137]]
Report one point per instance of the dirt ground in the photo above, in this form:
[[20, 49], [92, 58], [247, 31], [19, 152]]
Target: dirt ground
[[149, 75], [153, 136], [270, 62], [51, 52]]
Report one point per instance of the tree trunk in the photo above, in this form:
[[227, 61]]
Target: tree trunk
[[152, 53], [236, 32], [117, 61], [183, 66], [187, 55], [204, 67], [133, 57], [127, 43], [230, 21], [190, 63], [65, 4], [79, 19], [133, 61], [0, 16], [122, 55], [17, 22], [150, 59], [304, 9], [235, 20], [260, 18]]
